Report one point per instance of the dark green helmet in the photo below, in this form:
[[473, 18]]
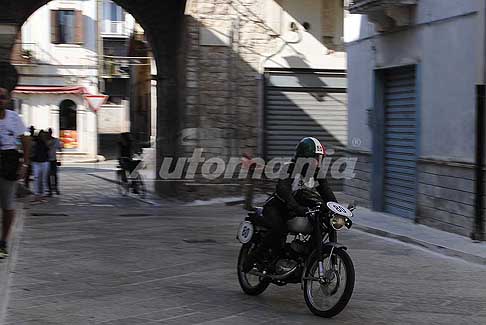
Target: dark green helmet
[[309, 148]]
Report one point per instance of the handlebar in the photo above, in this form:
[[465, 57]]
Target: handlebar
[[313, 211]]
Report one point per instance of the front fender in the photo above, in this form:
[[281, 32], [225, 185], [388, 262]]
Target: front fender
[[329, 245], [326, 247]]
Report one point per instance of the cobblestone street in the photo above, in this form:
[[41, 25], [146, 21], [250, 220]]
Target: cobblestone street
[[92, 256]]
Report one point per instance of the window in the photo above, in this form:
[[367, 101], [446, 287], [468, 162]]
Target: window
[[113, 12], [67, 27]]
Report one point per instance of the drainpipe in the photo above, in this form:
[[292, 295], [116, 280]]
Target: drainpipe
[[101, 81], [99, 44], [479, 233], [478, 228]]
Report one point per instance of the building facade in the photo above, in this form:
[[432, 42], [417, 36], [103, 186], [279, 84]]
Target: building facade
[[116, 28], [58, 64], [230, 73], [413, 71], [261, 75]]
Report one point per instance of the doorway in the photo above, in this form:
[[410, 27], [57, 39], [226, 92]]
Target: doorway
[[68, 133]]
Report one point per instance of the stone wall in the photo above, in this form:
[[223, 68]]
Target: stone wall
[[445, 192], [221, 82], [445, 197]]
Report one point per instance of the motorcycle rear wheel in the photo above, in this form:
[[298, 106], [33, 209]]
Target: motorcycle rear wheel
[[345, 269], [250, 284]]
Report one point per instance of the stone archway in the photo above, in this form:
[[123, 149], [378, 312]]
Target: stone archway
[[162, 22]]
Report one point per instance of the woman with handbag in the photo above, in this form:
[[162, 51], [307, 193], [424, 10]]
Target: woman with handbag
[[11, 128]]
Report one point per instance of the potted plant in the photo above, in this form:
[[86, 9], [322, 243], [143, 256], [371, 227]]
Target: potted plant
[[27, 54]]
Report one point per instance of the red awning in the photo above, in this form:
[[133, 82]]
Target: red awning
[[77, 90]]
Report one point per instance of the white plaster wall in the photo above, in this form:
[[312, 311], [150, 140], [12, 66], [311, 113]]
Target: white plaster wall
[[66, 65], [309, 52], [448, 90], [360, 99], [114, 119], [42, 111], [447, 55], [62, 54], [60, 64]]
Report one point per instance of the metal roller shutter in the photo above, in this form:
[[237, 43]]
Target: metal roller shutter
[[292, 114], [400, 142]]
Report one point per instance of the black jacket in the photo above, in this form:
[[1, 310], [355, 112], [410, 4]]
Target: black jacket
[[298, 192], [40, 151]]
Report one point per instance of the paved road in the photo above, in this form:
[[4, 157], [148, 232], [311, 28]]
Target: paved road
[[93, 257]]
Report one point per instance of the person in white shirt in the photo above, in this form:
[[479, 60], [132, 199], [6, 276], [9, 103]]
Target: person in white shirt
[[11, 129]]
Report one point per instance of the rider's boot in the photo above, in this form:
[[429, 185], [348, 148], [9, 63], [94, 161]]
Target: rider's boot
[[257, 256]]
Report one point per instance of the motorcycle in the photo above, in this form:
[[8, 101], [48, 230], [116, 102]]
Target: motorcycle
[[313, 257]]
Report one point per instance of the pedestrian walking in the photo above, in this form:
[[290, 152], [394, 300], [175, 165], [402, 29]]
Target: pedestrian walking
[[54, 146], [40, 166], [11, 129], [28, 172]]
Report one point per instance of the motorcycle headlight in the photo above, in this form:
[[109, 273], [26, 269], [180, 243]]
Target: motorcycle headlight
[[338, 222]]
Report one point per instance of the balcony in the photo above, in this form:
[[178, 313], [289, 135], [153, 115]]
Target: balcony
[[115, 67], [385, 14], [112, 28]]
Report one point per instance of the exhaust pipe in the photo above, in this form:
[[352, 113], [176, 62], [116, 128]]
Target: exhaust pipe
[[276, 277]]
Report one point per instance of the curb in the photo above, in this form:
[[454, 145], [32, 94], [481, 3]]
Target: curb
[[423, 244], [104, 178], [133, 197]]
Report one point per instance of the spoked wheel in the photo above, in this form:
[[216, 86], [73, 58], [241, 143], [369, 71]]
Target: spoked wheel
[[123, 186], [327, 296], [139, 185], [251, 284]]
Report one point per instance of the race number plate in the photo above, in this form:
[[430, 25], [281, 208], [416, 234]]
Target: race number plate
[[245, 232], [339, 209]]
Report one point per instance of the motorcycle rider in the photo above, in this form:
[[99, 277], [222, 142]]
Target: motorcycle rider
[[301, 185]]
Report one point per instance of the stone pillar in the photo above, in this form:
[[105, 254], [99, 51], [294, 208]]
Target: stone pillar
[[54, 123], [166, 47], [332, 17]]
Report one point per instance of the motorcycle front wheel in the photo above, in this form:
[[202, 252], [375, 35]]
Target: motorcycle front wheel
[[252, 285], [329, 295]]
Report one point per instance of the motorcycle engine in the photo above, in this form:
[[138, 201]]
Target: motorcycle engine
[[299, 247], [283, 266]]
